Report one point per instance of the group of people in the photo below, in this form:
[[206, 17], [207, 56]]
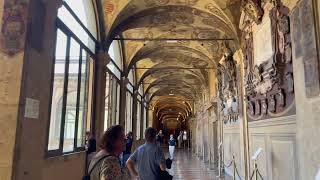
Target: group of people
[[147, 162]]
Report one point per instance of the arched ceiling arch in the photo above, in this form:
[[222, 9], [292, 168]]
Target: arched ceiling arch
[[173, 72], [183, 51], [120, 10]]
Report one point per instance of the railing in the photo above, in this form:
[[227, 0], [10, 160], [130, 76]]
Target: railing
[[256, 175], [234, 168]]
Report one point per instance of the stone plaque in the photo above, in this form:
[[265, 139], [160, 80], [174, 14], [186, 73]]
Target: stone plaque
[[32, 108], [263, 43]]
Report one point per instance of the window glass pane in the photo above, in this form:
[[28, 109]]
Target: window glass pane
[[139, 97], [129, 87], [107, 95], [83, 104], [114, 69], [131, 76], [85, 11], [128, 114], [115, 53], [70, 119], [118, 104], [75, 27], [114, 100], [138, 119], [57, 92], [141, 90], [90, 94]]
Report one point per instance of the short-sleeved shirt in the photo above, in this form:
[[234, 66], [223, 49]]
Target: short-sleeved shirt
[[107, 169], [148, 158]]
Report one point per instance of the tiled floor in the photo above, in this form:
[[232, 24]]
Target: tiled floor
[[187, 167]]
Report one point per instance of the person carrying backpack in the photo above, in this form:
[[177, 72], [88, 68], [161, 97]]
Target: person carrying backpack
[[105, 165]]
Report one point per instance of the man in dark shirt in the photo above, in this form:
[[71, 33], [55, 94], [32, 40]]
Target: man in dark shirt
[[148, 158], [127, 152]]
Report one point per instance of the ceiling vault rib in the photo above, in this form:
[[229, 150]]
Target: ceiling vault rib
[[172, 39]]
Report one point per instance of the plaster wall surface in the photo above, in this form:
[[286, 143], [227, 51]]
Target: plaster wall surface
[[11, 72], [308, 109]]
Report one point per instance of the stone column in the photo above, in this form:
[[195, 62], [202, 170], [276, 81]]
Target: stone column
[[123, 97], [143, 120], [134, 112], [244, 130], [99, 93]]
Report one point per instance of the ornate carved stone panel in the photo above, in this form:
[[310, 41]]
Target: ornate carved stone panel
[[228, 88], [268, 58]]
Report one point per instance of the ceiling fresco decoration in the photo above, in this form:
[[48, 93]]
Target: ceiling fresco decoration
[[173, 72], [119, 10]]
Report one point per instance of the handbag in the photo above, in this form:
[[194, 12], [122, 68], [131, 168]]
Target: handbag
[[164, 175], [87, 175]]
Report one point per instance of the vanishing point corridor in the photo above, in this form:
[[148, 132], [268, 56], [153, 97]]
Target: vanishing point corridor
[[115, 89], [187, 167]]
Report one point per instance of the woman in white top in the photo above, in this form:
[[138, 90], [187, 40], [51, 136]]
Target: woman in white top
[[172, 144]]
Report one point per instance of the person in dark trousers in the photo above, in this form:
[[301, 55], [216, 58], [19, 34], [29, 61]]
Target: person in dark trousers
[[148, 158], [127, 152], [159, 138], [172, 144]]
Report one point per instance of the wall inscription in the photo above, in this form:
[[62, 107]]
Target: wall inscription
[[32, 108]]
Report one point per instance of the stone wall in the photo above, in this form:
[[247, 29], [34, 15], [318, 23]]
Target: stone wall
[[11, 74], [308, 109], [290, 142], [30, 161]]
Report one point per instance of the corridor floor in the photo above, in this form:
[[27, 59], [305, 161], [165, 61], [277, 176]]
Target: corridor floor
[[186, 166]]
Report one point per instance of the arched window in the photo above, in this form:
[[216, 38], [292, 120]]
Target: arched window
[[72, 77]]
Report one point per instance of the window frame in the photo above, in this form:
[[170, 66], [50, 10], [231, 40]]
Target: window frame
[[90, 56]]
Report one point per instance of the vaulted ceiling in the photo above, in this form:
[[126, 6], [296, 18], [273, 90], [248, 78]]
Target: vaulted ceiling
[[173, 73]]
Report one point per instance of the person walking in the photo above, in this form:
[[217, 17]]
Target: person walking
[[127, 152], [159, 138], [148, 158], [105, 165], [172, 144]]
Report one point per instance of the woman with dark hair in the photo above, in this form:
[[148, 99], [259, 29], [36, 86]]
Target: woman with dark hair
[[105, 165]]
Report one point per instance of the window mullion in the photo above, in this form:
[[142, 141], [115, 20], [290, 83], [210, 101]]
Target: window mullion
[[65, 92], [75, 144]]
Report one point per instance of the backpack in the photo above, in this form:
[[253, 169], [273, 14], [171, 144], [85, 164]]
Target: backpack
[[87, 175]]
